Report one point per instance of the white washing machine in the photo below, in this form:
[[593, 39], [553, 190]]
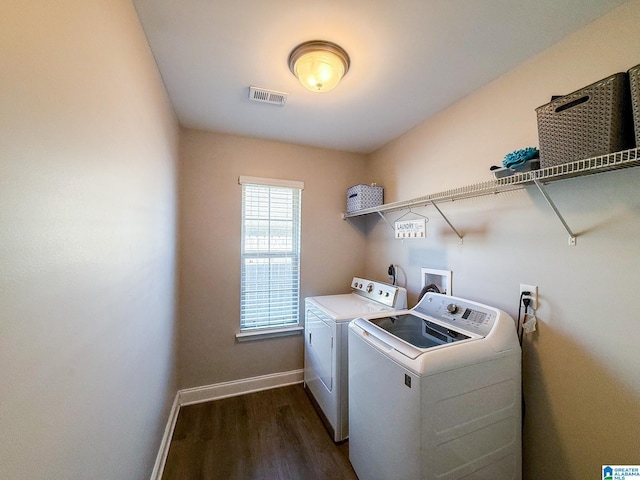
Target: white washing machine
[[435, 393], [326, 342]]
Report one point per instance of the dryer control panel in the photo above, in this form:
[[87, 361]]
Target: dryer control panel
[[389, 295], [457, 312]]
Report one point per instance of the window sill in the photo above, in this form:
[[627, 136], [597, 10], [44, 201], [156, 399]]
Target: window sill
[[260, 334]]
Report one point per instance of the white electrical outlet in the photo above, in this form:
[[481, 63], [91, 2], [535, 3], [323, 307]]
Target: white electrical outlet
[[533, 294]]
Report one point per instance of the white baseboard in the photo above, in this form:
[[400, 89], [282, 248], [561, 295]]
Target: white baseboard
[[207, 393], [190, 396], [161, 458]]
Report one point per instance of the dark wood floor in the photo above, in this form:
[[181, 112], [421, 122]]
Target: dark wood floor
[[269, 435]]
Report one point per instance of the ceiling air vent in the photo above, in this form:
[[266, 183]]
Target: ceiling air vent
[[267, 96]]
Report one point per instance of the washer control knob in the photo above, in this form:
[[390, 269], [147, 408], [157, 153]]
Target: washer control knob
[[355, 285], [360, 286], [370, 288], [452, 308], [387, 294], [379, 292]]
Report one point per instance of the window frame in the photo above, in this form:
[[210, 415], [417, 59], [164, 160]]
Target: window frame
[[277, 329]]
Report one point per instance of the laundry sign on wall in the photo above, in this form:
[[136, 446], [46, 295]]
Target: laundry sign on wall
[[411, 228]]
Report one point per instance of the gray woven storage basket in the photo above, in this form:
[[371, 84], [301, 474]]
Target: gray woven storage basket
[[634, 81], [592, 121]]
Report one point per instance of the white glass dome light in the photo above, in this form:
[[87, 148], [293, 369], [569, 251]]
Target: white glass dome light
[[319, 65]]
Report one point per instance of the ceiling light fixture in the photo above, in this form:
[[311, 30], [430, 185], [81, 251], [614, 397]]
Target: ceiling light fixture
[[319, 65]]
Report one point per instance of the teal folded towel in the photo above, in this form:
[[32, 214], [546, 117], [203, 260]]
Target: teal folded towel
[[520, 157]]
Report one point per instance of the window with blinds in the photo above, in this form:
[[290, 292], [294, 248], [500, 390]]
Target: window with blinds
[[270, 272]]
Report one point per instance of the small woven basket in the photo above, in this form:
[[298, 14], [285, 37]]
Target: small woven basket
[[592, 121], [364, 196]]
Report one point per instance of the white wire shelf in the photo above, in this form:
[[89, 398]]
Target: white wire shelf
[[589, 166]]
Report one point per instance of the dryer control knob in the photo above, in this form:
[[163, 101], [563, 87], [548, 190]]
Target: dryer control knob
[[452, 308], [370, 288]]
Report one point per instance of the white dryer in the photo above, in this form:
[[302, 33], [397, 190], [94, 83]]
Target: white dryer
[[435, 393], [326, 342]]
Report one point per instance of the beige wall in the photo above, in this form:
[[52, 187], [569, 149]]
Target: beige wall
[[581, 376], [88, 148], [210, 197]]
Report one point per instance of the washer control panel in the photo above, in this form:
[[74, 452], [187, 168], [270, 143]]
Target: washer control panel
[[384, 293], [459, 313]]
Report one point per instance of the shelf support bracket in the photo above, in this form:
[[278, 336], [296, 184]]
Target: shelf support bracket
[[572, 237], [448, 222], [386, 221]]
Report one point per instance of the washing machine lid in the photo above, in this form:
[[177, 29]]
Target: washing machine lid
[[418, 331], [409, 334], [348, 306]]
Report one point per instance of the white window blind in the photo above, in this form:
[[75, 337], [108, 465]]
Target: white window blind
[[270, 273]]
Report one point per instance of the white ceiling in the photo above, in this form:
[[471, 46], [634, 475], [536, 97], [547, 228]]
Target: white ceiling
[[409, 59]]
